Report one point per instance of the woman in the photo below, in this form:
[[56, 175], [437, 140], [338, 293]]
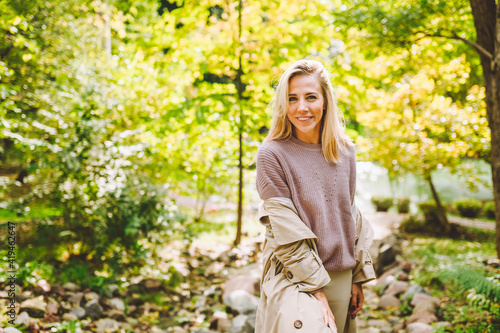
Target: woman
[[315, 253]]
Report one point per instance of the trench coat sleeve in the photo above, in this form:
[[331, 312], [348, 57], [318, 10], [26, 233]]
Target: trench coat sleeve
[[363, 270], [296, 244]]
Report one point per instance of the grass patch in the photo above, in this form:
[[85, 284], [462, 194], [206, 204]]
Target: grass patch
[[36, 212]]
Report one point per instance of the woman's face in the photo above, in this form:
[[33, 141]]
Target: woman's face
[[306, 103]]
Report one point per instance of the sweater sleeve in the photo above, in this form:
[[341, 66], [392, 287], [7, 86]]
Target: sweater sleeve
[[271, 180]]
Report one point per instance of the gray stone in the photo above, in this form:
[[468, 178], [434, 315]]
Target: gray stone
[[71, 287], [412, 290], [107, 325], [117, 304], [43, 285], [370, 330], [23, 319], [423, 297], [384, 282], [386, 256], [419, 328], [442, 324], [91, 297], [76, 299], [116, 315], [93, 310], [427, 305], [250, 284], [240, 324], [69, 317], [376, 323], [397, 288], [35, 307], [11, 329], [151, 285], [79, 312], [388, 301], [177, 329], [114, 289], [53, 308], [386, 329], [495, 262], [241, 301], [422, 316]]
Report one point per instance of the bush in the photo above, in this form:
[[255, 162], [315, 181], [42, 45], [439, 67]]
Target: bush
[[403, 205], [489, 210], [430, 211], [468, 207], [382, 204]]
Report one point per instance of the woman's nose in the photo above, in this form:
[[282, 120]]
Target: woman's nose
[[302, 105]]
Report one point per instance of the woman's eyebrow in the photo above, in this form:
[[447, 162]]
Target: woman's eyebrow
[[308, 93]]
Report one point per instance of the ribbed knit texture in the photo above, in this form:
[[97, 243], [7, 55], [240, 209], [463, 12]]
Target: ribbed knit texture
[[322, 193]]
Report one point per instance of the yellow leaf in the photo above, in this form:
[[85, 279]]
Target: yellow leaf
[[27, 57], [17, 20]]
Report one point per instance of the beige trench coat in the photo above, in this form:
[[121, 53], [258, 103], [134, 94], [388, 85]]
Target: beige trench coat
[[292, 269]]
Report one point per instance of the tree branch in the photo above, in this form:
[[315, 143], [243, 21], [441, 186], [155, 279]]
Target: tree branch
[[481, 50]]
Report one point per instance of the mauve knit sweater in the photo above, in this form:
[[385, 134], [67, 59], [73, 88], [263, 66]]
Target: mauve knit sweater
[[322, 193]]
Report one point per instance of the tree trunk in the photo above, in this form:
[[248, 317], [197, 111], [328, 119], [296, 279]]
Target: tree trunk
[[240, 134], [443, 219], [487, 22]]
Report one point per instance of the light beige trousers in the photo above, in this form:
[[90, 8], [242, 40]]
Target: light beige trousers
[[338, 293]]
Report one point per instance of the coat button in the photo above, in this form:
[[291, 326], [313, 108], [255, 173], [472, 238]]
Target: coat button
[[290, 276], [297, 324]]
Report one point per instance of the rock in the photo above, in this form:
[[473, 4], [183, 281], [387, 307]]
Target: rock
[[495, 263], [114, 289], [50, 318], [394, 320], [423, 297], [151, 285], [388, 301], [386, 255], [220, 322], [71, 287], [412, 290], [116, 315], [421, 316], [397, 288], [11, 329], [241, 301], [419, 328], [398, 327], [76, 299], [376, 323], [241, 282], [117, 304], [35, 307], [25, 295], [91, 297], [403, 277], [107, 325], [427, 305], [177, 329], [370, 330], [42, 286], [53, 308], [384, 282], [23, 319], [69, 317], [93, 310], [386, 329], [240, 324], [79, 312]]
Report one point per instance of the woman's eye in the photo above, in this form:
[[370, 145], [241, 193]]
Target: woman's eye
[[292, 99], [311, 97]]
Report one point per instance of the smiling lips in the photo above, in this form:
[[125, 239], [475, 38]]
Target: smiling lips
[[304, 118]]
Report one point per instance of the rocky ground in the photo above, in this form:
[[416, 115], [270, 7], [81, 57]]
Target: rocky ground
[[217, 291]]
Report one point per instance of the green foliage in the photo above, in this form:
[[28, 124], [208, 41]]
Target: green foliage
[[486, 290], [382, 204], [468, 207], [403, 205], [67, 327], [489, 210], [430, 211]]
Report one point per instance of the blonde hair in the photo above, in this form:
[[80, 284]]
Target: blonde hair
[[332, 133]]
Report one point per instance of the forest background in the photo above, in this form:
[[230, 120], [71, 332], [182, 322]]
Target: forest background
[[110, 111]]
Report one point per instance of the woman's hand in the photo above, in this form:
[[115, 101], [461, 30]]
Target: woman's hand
[[357, 299], [327, 312]]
